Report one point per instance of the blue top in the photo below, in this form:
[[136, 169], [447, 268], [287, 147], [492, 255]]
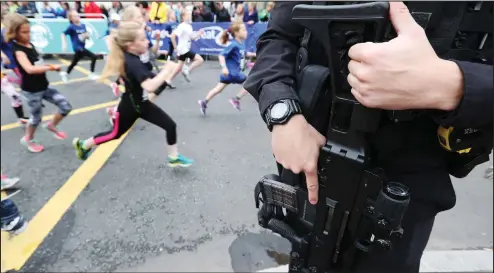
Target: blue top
[[110, 27], [7, 50], [233, 54], [75, 31]]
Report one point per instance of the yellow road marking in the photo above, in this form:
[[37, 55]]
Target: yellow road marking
[[17, 250], [61, 82], [73, 112]]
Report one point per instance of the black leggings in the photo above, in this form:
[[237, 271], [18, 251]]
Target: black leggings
[[126, 115], [79, 55]]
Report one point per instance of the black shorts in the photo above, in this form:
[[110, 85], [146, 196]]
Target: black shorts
[[191, 55]]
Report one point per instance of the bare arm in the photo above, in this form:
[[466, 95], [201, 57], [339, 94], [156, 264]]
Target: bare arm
[[221, 59], [64, 42], [150, 85], [174, 42], [27, 66]]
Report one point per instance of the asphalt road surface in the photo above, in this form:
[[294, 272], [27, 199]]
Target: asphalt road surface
[[136, 214]]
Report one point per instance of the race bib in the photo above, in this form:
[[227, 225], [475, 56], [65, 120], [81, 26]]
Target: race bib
[[82, 37]]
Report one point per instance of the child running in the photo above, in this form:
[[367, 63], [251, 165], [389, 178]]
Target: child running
[[7, 86], [132, 13], [230, 61], [185, 35], [78, 35], [128, 44], [34, 84]]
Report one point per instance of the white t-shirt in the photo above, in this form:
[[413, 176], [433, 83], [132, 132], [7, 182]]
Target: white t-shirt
[[184, 34]]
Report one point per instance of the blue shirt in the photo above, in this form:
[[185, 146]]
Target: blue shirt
[[8, 51], [233, 53], [110, 27], [75, 31]]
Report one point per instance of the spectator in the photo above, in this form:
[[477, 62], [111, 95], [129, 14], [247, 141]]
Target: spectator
[[239, 12], [144, 8], [117, 8], [78, 7], [221, 12], [47, 10], [64, 10], [27, 9], [91, 8], [266, 13], [250, 16], [12, 7], [177, 9], [158, 13], [202, 13], [104, 11]]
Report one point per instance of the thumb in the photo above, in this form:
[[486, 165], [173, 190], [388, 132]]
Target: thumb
[[401, 18]]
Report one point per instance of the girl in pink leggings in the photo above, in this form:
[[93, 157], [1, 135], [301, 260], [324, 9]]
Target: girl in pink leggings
[[7, 86]]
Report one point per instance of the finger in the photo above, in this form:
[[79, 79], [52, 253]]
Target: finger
[[353, 81], [358, 70], [362, 52], [401, 18], [358, 96], [312, 185]]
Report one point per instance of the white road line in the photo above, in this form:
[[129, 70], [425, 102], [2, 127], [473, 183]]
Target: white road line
[[443, 261]]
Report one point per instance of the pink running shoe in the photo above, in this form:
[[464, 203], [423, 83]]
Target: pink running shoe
[[31, 145], [115, 89], [56, 133]]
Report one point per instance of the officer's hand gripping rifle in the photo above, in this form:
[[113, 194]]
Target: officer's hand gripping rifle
[[357, 208]]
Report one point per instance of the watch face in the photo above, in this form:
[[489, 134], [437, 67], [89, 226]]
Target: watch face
[[279, 110]]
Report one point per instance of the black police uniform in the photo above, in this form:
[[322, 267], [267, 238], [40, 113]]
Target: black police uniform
[[407, 151]]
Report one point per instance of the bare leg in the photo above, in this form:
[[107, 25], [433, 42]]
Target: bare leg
[[56, 119], [242, 93], [173, 150], [30, 131], [198, 60], [88, 143], [178, 69], [215, 91]]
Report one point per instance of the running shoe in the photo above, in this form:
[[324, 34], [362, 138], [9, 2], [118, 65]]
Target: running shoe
[[8, 183], [32, 145], [81, 153], [115, 89], [56, 133], [179, 161], [186, 73], [12, 221], [203, 105], [170, 86], [64, 76], [235, 103], [93, 76]]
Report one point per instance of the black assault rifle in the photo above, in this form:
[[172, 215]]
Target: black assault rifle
[[358, 209]]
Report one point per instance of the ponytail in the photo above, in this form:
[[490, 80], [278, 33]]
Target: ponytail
[[114, 65], [225, 36]]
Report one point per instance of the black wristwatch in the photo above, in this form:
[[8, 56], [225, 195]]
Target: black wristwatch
[[280, 112]]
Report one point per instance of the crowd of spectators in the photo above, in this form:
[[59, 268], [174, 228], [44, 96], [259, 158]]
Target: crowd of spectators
[[156, 11]]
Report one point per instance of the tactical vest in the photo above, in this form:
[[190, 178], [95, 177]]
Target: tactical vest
[[456, 30]]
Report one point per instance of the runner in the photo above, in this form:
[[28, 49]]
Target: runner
[[128, 44], [7, 82], [78, 35], [34, 84], [230, 60], [185, 35]]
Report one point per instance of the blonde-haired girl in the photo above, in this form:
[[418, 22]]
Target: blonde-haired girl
[[134, 14], [34, 84], [129, 42]]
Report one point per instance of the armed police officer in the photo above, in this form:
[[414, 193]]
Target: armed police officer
[[401, 74]]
